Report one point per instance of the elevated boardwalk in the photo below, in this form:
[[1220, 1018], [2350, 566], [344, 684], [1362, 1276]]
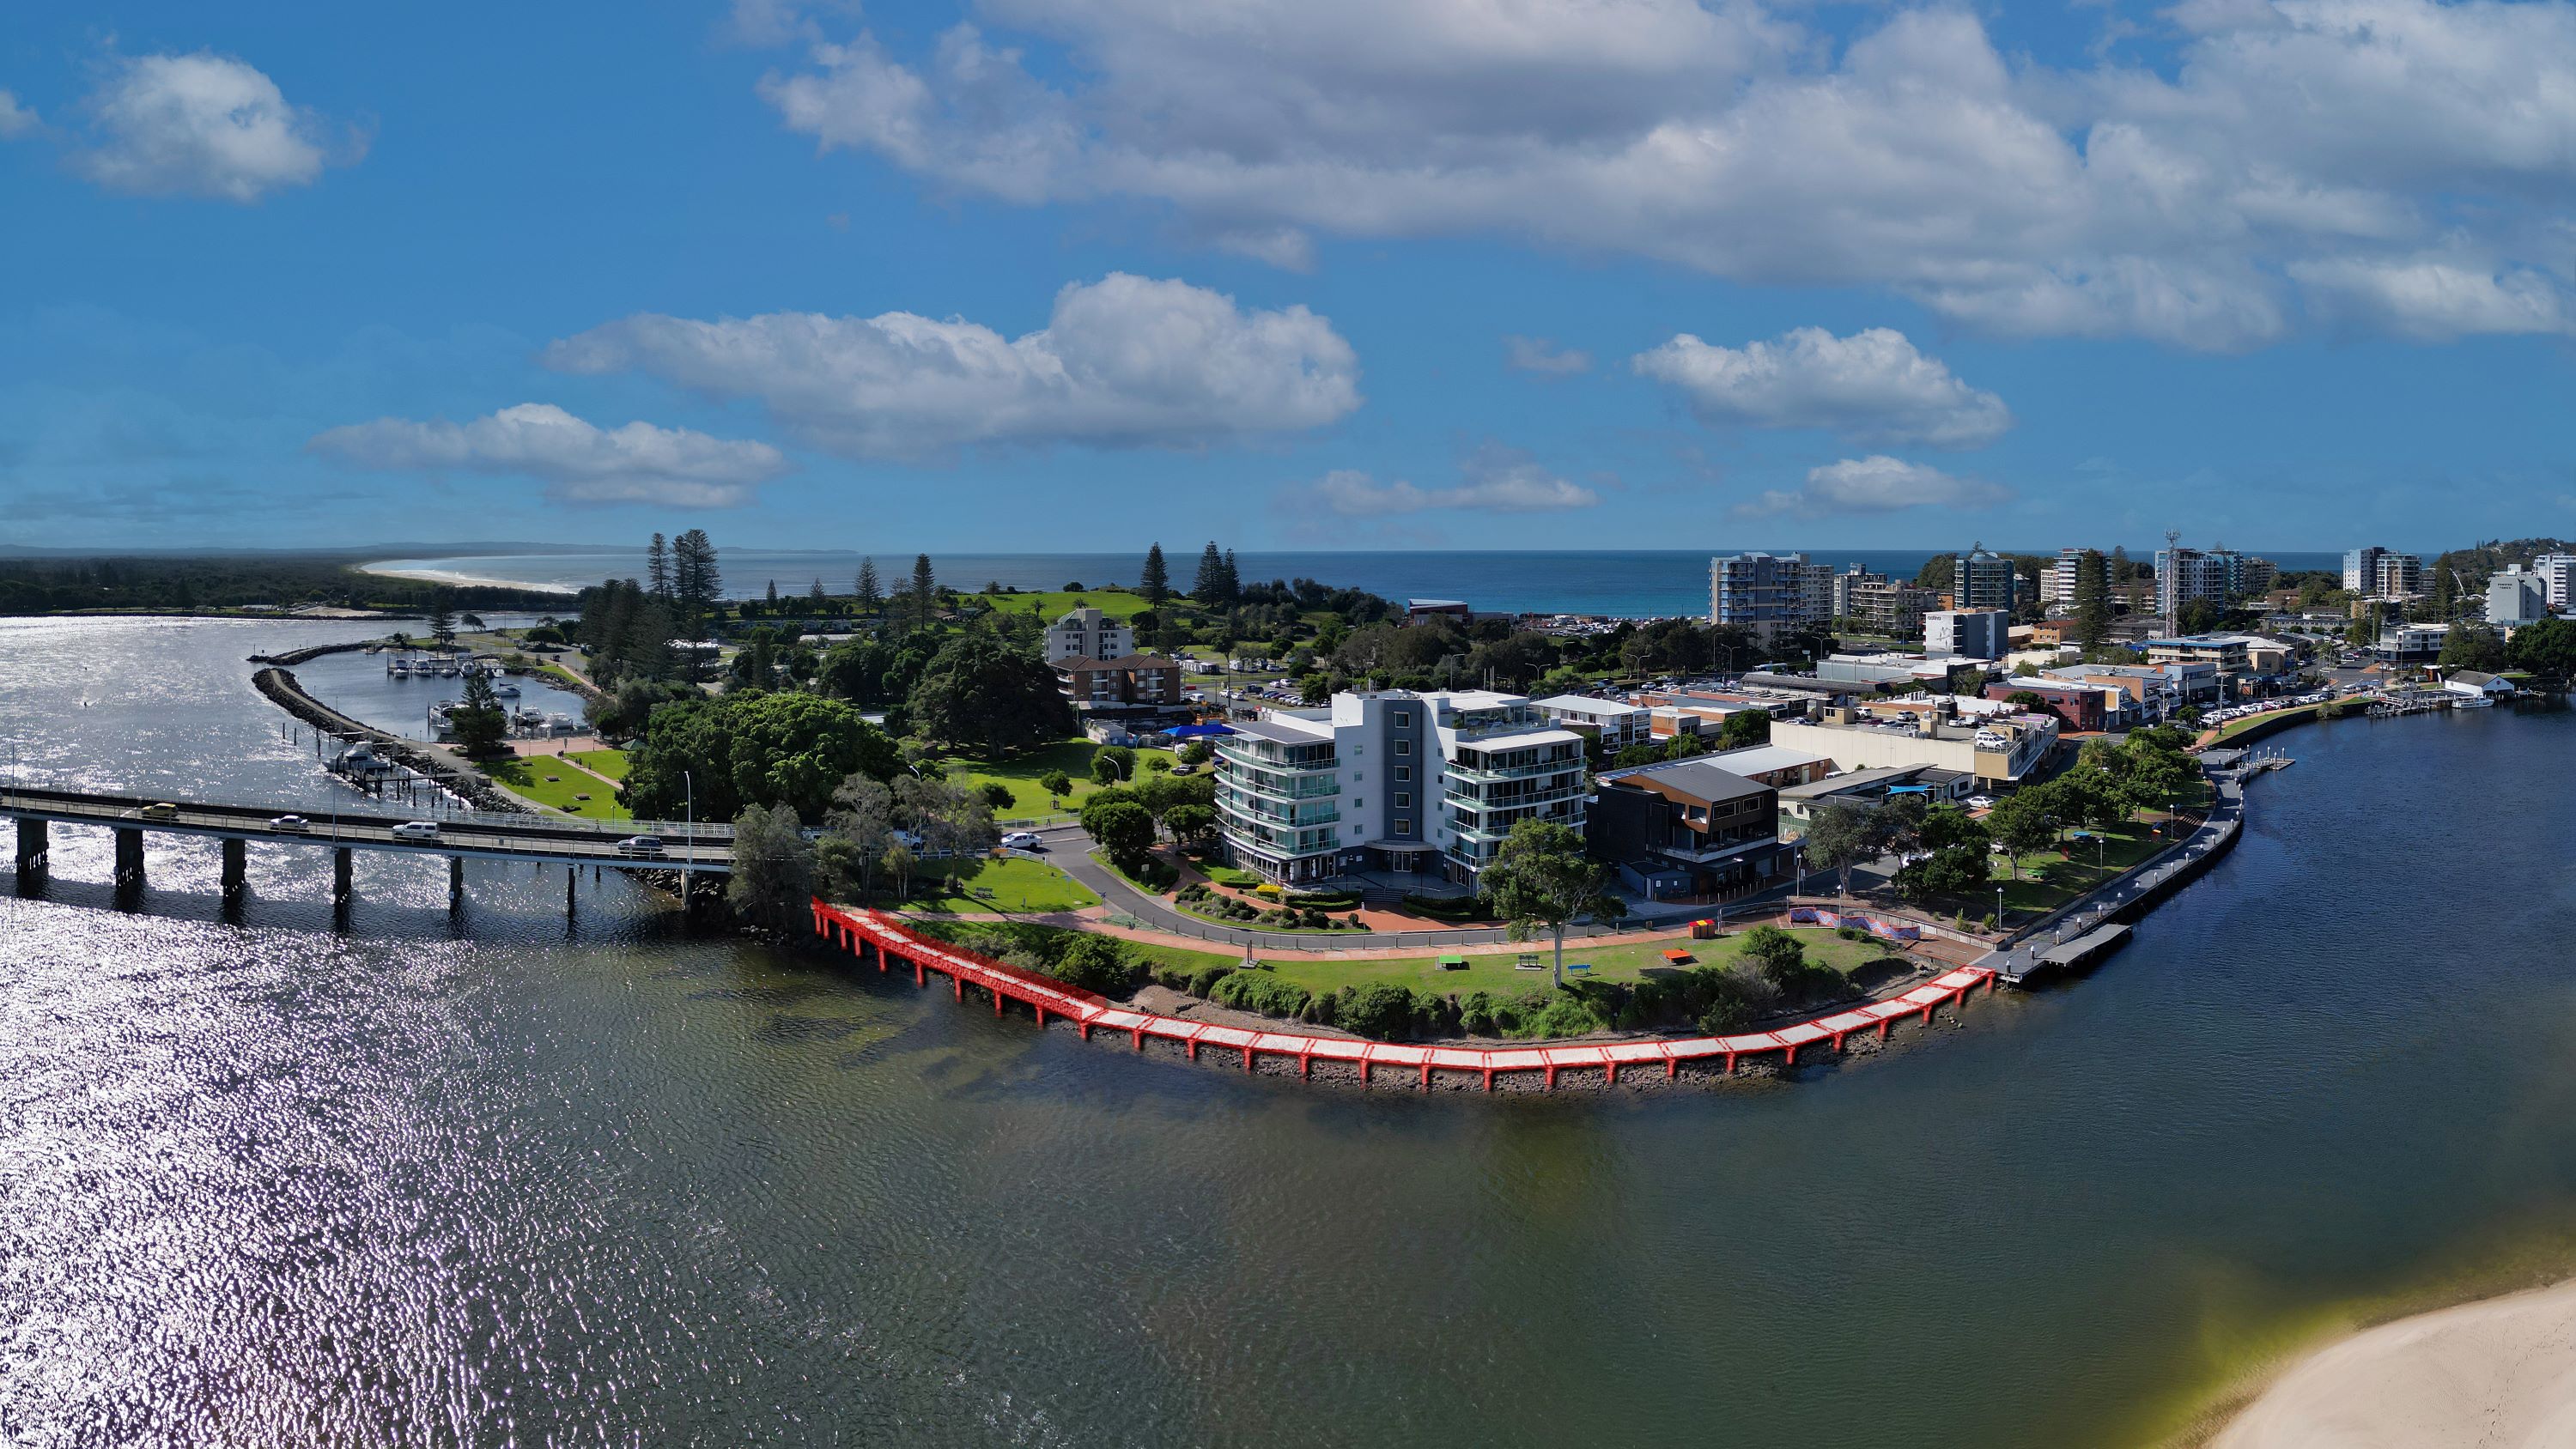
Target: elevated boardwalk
[[885, 938]]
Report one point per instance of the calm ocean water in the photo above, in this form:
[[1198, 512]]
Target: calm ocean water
[[1629, 584]]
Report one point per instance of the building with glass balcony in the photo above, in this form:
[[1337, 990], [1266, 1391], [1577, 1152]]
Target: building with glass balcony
[[1421, 784]]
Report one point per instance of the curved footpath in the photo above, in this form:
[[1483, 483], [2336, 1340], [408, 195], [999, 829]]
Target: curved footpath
[[863, 933]]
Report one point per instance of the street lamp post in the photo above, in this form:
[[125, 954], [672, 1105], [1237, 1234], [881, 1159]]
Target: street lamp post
[[1999, 908]]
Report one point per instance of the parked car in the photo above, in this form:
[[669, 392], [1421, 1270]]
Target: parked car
[[1020, 840], [161, 811], [416, 830], [290, 824], [642, 845]]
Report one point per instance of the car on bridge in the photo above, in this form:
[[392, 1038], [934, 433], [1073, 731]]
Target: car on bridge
[[416, 830], [162, 811], [648, 846], [291, 825]]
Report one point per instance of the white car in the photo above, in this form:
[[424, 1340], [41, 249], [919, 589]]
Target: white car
[[416, 830], [1980, 802], [290, 824], [1020, 840], [643, 845]]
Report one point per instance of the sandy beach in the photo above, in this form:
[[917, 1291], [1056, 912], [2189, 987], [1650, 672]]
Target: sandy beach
[[389, 569], [2499, 1374]]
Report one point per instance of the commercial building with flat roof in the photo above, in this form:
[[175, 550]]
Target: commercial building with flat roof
[[1968, 633]]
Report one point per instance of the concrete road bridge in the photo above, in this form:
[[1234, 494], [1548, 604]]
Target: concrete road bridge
[[690, 851]]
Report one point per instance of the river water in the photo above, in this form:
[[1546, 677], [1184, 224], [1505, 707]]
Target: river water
[[508, 1178]]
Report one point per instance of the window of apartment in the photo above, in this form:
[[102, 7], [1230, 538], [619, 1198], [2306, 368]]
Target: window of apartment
[[1403, 773], [1404, 747], [1404, 827], [1358, 804], [1403, 719], [1403, 801]]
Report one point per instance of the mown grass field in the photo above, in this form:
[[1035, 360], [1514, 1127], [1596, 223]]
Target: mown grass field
[[1610, 961], [1055, 603], [1021, 774], [608, 763], [1018, 885], [542, 779]]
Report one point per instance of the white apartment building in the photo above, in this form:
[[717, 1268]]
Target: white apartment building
[[1393, 780], [1086, 633], [2516, 597], [2558, 575], [2057, 581], [1968, 633]]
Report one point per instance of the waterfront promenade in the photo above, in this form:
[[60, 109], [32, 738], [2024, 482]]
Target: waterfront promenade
[[889, 941]]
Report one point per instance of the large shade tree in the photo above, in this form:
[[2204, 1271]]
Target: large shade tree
[[755, 749], [1542, 879], [987, 698]]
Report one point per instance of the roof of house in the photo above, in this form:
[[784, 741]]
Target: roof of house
[[1857, 780], [1584, 704], [1695, 777], [1761, 759]]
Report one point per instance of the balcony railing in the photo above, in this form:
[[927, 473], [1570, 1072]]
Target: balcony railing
[[1539, 797], [1251, 758], [1282, 787], [1252, 809], [1479, 774]]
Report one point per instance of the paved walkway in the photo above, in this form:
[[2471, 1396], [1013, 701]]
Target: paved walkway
[[2083, 914], [1069, 849]]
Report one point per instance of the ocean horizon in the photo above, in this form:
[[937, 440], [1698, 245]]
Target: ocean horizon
[[1632, 584]]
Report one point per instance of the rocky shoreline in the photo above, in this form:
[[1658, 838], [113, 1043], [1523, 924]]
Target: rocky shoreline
[[279, 687]]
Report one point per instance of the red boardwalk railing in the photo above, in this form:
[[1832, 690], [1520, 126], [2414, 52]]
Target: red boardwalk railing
[[1086, 1010]]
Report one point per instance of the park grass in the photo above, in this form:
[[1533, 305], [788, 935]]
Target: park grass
[[1053, 604], [1020, 773], [2051, 878], [608, 764], [1497, 972], [1018, 885], [2235, 727], [528, 776]]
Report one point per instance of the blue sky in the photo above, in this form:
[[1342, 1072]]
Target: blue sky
[[1459, 273]]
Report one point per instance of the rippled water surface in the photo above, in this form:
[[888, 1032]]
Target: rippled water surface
[[506, 1177]]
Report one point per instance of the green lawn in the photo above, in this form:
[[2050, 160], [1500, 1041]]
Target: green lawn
[[2052, 878], [542, 779], [1056, 603], [611, 763], [2236, 727], [1021, 774], [1017, 885], [1614, 961]]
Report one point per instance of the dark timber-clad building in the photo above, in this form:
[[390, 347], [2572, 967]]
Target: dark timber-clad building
[[1686, 828]]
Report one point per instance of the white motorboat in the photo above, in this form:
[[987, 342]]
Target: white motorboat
[[505, 691]]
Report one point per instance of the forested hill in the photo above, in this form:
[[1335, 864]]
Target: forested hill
[[50, 585]]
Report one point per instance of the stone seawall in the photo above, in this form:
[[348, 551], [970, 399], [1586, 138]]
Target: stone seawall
[[279, 687]]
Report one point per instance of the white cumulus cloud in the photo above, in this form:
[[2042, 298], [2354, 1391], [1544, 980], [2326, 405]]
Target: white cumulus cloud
[[1873, 385], [1537, 354], [16, 119], [581, 463], [1492, 480], [2187, 203], [201, 125], [1877, 484], [1122, 362]]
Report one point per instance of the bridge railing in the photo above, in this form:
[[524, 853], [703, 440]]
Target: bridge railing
[[703, 832]]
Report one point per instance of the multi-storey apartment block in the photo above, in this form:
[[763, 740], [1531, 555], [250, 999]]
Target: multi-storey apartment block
[[1393, 780]]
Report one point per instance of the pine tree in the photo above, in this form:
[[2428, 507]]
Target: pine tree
[[1156, 583], [1233, 581], [773, 595], [868, 592], [925, 591], [2092, 599], [1209, 587], [815, 594], [657, 567]]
